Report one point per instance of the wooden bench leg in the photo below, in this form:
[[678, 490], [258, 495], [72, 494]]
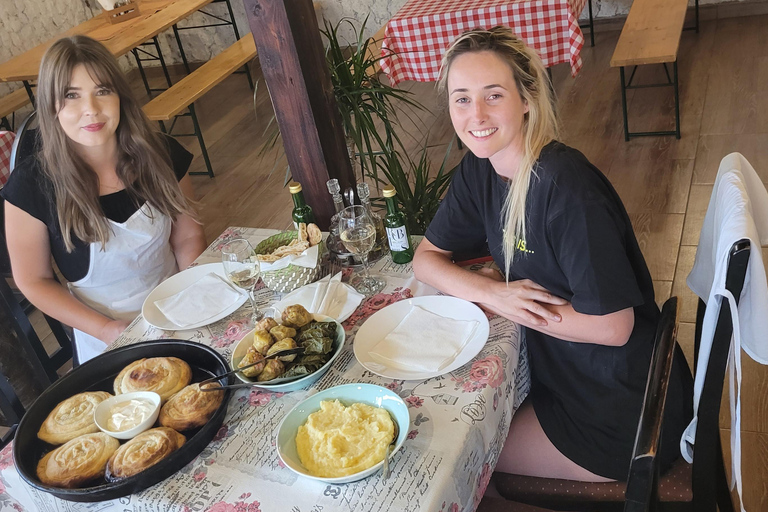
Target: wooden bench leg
[[592, 25], [181, 48], [677, 100], [31, 95], [624, 103], [200, 140], [671, 81], [158, 57]]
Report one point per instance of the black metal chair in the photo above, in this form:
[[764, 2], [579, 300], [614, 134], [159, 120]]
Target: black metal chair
[[701, 486], [17, 306], [12, 409], [27, 140], [641, 489]]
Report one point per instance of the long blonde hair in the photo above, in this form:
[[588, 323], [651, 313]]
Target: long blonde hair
[[540, 125], [144, 162]]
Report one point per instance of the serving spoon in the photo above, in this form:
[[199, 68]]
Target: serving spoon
[[385, 471]]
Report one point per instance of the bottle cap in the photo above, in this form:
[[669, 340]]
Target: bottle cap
[[388, 191], [333, 186], [294, 187]]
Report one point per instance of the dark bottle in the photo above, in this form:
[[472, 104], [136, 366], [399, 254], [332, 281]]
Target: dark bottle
[[397, 232], [302, 212]]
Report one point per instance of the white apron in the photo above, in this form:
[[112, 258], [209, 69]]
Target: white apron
[[136, 258]]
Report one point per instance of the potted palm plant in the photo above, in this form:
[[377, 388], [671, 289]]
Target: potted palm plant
[[369, 111]]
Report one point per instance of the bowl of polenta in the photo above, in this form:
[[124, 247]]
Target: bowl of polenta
[[342, 434]]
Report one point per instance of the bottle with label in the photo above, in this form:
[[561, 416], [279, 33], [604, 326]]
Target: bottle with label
[[397, 232], [302, 212], [380, 245]]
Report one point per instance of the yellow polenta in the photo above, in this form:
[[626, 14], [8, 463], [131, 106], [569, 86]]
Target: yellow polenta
[[339, 441]]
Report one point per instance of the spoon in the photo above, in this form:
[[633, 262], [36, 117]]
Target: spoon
[[385, 471]]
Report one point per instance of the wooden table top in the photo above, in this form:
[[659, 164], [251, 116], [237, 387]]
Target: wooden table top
[[156, 16]]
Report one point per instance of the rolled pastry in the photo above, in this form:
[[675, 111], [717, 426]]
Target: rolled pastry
[[78, 461], [72, 418], [143, 451], [163, 375], [190, 408]]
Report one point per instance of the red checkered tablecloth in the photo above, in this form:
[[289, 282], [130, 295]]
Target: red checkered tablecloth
[[6, 143], [417, 36]]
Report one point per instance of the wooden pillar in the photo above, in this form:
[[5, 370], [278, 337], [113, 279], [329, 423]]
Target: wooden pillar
[[293, 63]]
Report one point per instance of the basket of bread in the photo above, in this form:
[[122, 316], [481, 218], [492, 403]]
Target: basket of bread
[[291, 259]]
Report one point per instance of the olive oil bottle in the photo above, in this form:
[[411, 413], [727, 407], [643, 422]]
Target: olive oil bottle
[[397, 231], [302, 212]]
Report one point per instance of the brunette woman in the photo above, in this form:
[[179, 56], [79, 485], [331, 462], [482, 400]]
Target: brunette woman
[[572, 273], [107, 196]]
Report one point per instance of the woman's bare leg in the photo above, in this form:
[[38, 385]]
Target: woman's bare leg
[[528, 451]]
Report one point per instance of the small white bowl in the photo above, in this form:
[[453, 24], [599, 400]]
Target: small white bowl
[[246, 341], [347, 394], [101, 413]]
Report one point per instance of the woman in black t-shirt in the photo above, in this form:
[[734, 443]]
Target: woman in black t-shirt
[[106, 196], [574, 275]]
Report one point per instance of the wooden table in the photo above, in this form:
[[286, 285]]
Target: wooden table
[[156, 16], [459, 422]]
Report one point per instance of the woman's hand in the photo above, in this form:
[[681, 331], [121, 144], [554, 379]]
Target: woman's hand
[[520, 300], [112, 330]]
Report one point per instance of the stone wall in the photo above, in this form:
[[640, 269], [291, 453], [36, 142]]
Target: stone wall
[[27, 23]]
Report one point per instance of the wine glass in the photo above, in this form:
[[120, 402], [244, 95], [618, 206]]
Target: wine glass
[[358, 234], [242, 268]]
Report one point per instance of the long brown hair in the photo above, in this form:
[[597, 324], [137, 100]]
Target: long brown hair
[[540, 125], [144, 162]]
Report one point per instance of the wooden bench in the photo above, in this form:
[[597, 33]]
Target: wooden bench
[[9, 104], [651, 35], [184, 93]]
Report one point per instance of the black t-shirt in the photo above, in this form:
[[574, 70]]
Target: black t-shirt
[[580, 246], [31, 190]]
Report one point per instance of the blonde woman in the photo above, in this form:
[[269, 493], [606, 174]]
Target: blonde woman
[[573, 274], [107, 196]]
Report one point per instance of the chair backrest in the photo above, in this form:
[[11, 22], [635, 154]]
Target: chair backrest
[[45, 366], [709, 483], [11, 407], [26, 142], [642, 483]]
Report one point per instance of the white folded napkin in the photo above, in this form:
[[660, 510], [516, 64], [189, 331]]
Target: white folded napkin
[[423, 341], [306, 259], [328, 296], [206, 298]]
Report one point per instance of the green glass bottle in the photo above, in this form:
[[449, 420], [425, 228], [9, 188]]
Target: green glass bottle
[[397, 232], [302, 212]]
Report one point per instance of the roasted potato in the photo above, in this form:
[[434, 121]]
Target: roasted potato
[[272, 370], [266, 324], [284, 344], [281, 332], [296, 316], [262, 340], [251, 356]]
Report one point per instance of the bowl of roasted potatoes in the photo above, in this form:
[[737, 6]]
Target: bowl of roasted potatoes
[[322, 339]]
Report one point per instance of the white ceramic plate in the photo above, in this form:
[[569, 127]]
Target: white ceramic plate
[[177, 283], [242, 346], [383, 322], [348, 394]]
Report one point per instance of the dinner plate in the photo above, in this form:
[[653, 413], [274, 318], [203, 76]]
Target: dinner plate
[[384, 321], [177, 283]]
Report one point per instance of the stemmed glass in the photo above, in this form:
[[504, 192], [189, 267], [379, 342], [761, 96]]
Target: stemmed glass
[[242, 268], [358, 234]]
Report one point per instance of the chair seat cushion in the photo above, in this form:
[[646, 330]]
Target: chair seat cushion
[[674, 486]]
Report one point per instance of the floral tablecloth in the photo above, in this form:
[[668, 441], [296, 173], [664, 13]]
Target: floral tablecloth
[[459, 422]]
